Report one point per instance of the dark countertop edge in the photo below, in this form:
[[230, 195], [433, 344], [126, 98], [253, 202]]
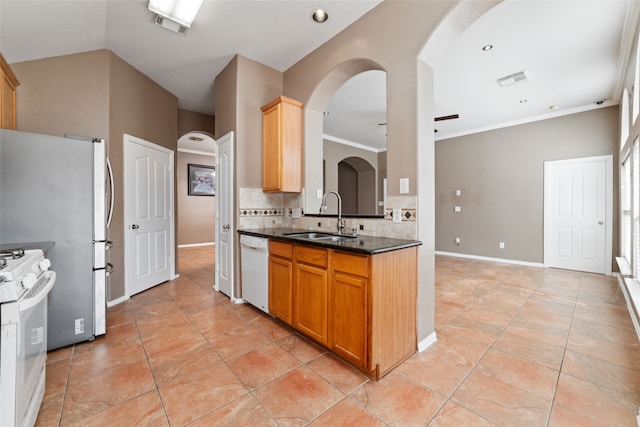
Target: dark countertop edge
[[275, 235], [347, 216]]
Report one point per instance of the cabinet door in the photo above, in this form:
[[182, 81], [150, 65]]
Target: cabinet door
[[271, 149], [280, 282], [310, 301], [348, 317]]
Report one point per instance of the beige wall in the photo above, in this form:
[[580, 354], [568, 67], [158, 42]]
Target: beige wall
[[334, 153], [97, 94], [500, 174], [190, 121], [138, 107], [241, 89], [65, 94], [196, 214]]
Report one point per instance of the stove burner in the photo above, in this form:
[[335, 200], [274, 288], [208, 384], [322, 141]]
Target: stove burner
[[12, 253]]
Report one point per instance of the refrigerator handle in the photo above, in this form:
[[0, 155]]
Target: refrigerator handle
[[111, 193]]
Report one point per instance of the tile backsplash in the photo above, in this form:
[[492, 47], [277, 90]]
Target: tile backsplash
[[257, 209]]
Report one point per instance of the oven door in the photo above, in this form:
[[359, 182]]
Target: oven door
[[24, 355]]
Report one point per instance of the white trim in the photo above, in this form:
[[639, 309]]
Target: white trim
[[427, 342], [353, 144], [193, 245], [235, 300], [117, 301], [484, 258], [202, 153]]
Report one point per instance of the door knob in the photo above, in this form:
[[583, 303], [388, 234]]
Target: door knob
[[135, 226], [226, 227]]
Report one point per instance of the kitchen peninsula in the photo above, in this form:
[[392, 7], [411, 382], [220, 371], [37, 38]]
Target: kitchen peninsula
[[356, 296]]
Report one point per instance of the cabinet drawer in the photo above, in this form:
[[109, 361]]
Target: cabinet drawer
[[311, 256], [349, 263], [281, 249]]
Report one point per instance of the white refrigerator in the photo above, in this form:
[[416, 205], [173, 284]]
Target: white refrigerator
[[54, 189]]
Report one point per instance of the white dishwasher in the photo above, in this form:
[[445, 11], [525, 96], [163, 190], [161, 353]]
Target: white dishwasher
[[254, 259]]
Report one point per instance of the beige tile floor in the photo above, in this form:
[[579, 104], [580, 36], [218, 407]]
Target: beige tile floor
[[517, 346]]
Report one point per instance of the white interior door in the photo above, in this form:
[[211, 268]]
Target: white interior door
[[225, 226], [578, 211], [149, 248]]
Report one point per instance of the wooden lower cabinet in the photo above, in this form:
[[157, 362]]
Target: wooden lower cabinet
[[310, 292], [281, 280], [361, 307], [348, 318]]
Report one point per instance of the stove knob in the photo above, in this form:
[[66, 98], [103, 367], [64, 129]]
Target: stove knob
[[45, 264], [29, 281]]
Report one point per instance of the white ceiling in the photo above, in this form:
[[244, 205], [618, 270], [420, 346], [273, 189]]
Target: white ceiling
[[571, 50]]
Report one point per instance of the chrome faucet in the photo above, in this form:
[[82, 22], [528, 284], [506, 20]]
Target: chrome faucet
[[323, 209]]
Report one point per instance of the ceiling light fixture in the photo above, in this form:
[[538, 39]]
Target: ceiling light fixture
[[320, 15], [181, 12], [487, 47]]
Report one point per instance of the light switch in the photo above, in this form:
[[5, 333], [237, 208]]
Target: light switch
[[404, 185], [457, 209], [458, 192], [319, 193], [396, 215]]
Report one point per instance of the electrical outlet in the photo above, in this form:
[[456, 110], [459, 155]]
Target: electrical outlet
[[404, 185], [396, 215], [501, 245], [457, 209], [361, 227], [458, 241]]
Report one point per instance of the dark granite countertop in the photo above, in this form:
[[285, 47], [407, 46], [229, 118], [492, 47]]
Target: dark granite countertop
[[362, 244]]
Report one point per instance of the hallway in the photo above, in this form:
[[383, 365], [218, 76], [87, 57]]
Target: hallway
[[516, 346]]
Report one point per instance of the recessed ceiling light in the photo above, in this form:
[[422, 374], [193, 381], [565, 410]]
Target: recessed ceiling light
[[487, 47], [553, 107], [320, 15]]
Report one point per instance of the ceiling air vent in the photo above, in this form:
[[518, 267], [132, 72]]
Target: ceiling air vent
[[512, 79], [169, 24]]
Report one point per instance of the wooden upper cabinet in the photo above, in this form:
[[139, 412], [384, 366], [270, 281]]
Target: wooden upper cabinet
[[282, 145], [8, 84]]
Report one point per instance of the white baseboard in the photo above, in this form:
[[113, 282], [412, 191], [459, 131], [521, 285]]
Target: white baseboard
[[117, 301], [427, 342], [484, 258], [195, 245]]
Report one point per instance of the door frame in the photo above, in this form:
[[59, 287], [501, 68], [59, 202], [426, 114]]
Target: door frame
[[127, 141], [608, 220]]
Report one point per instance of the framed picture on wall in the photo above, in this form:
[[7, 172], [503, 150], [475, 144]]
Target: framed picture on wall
[[202, 180]]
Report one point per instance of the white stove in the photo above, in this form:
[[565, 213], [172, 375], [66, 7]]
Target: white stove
[[20, 271], [25, 282]]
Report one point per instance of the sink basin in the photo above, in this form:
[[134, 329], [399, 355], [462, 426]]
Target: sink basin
[[313, 235], [310, 235]]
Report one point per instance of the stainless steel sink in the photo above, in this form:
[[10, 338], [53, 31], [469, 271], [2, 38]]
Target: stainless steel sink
[[310, 235], [313, 235]]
